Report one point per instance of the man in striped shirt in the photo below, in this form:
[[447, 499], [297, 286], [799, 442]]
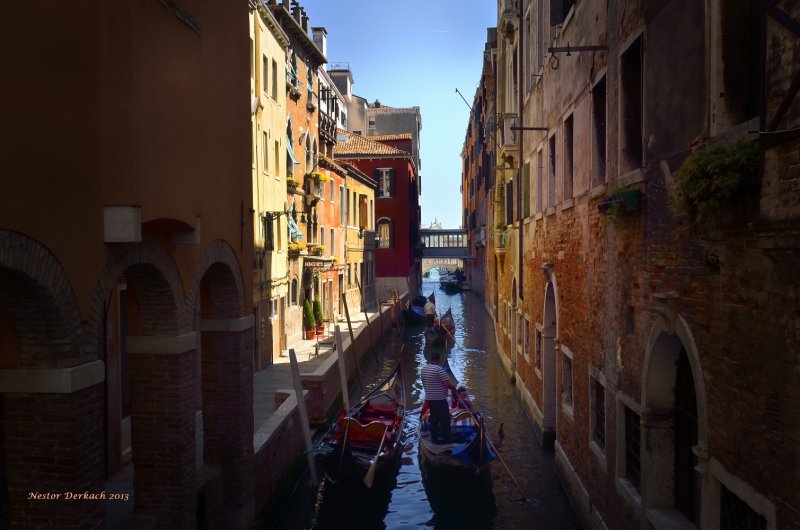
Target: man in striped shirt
[[437, 385]]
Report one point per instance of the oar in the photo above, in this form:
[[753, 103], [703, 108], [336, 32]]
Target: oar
[[370, 476], [499, 457]]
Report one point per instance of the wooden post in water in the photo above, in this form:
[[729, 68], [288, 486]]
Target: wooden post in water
[[352, 337], [342, 368], [301, 407]]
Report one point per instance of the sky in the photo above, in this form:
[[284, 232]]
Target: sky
[[416, 53]]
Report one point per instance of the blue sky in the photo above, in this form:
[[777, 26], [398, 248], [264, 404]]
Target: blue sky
[[415, 52]]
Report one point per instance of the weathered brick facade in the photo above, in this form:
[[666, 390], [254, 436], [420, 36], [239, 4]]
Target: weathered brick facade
[[659, 357]]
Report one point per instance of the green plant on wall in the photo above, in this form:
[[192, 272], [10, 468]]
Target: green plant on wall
[[308, 316], [709, 179], [317, 310]]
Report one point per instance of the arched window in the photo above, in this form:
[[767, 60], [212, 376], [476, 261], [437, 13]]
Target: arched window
[[309, 159], [290, 158], [384, 233], [314, 154], [293, 298]]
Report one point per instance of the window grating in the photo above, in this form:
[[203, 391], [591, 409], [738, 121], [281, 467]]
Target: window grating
[[735, 514], [632, 462]]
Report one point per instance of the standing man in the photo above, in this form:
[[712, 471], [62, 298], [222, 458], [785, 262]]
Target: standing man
[[437, 386]]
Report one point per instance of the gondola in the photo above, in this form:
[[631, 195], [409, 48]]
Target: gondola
[[366, 440], [443, 333], [414, 313], [470, 453]]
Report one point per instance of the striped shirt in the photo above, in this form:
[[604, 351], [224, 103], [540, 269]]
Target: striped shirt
[[435, 381]]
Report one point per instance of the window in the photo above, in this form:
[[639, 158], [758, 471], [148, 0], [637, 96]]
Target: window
[[276, 158], [598, 413], [735, 513], [321, 235], [540, 35], [342, 209], [526, 190], [362, 212], [384, 229], [264, 65], [314, 154], [265, 152], [632, 458], [551, 176], [566, 380], [371, 124], [332, 252], [527, 50], [331, 188], [539, 169], [526, 341], [569, 157], [274, 80], [741, 37], [309, 159], [347, 209], [631, 105], [355, 210], [599, 133], [537, 344], [509, 202], [559, 10], [269, 233], [385, 178]]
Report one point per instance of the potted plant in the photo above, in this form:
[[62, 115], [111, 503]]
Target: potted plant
[[291, 183], [308, 320], [294, 249], [318, 315]]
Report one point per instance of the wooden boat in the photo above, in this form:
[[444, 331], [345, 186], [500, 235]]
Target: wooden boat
[[443, 333], [469, 454], [366, 439], [450, 283], [414, 313]]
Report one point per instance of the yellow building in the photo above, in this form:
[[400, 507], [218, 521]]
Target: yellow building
[[358, 220], [268, 44]]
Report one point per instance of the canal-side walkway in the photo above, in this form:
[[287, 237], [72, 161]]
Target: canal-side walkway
[[278, 436]]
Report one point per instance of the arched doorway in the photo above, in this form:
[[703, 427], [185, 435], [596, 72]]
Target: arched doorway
[[225, 423], [51, 392], [549, 372], [674, 425]]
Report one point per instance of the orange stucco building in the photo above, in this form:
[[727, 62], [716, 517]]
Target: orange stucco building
[[125, 235]]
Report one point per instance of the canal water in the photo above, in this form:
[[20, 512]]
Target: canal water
[[418, 500]]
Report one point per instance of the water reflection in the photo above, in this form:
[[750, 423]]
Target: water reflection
[[416, 498]]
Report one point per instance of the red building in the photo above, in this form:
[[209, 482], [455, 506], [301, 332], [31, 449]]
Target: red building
[[397, 213]]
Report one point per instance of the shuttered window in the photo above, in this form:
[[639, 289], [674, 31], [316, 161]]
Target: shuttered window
[[385, 178]]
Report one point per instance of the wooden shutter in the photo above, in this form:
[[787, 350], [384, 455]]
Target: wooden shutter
[[391, 182], [376, 174], [362, 211]]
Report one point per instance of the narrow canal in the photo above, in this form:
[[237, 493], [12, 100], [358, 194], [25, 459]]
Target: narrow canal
[[414, 501]]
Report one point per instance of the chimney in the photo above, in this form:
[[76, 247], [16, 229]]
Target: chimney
[[287, 5], [321, 39], [304, 18], [296, 12]]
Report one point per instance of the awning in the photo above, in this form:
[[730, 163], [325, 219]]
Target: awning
[[291, 151], [293, 229]]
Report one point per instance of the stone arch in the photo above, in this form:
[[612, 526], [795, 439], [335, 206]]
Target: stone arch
[[141, 326], [223, 367], [670, 341], [550, 335], [45, 377], [40, 304]]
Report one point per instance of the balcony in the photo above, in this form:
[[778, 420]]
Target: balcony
[[312, 101], [313, 190]]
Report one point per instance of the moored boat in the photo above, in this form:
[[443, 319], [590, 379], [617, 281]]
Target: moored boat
[[450, 283], [366, 440]]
